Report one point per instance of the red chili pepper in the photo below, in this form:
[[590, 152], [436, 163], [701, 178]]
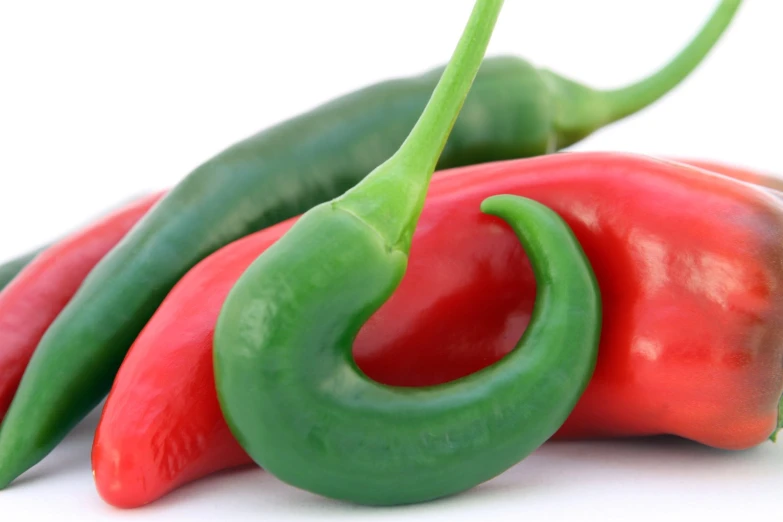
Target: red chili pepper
[[689, 264], [34, 298]]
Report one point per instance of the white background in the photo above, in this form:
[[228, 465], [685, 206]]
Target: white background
[[102, 100]]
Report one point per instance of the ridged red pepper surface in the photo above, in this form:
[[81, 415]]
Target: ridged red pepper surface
[[690, 265]]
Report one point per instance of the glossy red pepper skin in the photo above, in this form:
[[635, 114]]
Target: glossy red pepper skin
[[689, 265], [34, 298]]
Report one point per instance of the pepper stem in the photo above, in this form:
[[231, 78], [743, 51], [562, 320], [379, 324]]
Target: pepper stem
[[407, 173], [633, 98], [581, 110]]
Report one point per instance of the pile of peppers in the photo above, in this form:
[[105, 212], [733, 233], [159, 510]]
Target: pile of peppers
[[401, 294]]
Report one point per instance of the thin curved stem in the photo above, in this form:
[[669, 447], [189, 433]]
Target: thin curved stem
[[627, 100], [391, 197]]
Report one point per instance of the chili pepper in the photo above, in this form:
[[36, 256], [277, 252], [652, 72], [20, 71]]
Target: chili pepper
[[286, 382], [514, 110], [30, 303], [459, 310]]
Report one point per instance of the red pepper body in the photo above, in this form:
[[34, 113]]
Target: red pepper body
[[34, 298], [690, 269]]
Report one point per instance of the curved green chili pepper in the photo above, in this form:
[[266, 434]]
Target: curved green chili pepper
[[286, 379]]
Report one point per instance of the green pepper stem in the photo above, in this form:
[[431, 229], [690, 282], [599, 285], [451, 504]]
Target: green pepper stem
[[633, 98], [580, 110], [423, 146], [407, 173]]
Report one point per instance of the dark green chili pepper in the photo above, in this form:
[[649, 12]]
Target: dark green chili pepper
[[286, 379], [513, 110]]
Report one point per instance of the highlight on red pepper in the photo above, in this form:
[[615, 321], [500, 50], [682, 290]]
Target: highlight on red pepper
[[685, 289], [514, 110], [40, 290]]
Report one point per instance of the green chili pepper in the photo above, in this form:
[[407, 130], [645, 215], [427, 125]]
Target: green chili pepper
[[286, 379], [513, 110]]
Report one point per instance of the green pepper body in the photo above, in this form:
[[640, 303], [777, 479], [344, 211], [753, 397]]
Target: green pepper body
[[302, 409]]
